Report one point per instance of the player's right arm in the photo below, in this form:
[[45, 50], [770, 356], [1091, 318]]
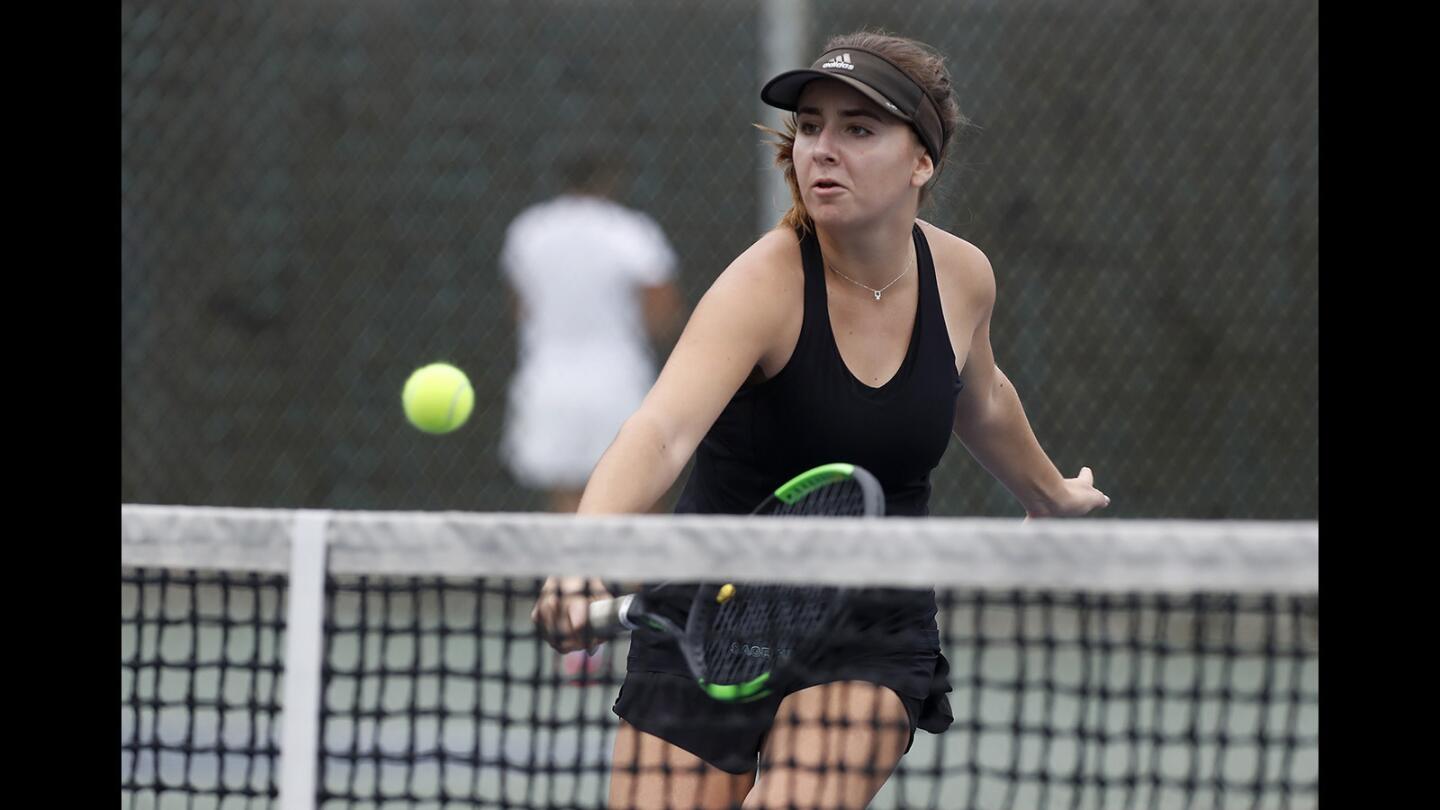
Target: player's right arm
[[734, 328], [742, 322]]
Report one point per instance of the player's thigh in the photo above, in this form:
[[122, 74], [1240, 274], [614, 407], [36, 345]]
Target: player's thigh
[[832, 746], [648, 773]]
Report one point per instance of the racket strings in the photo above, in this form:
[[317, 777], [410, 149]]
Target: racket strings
[[764, 626], [778, 626]]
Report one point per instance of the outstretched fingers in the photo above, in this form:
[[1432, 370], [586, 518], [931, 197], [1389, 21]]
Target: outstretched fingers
[[1098, 499]]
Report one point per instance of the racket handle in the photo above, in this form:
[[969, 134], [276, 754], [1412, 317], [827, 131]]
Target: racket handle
[[608, 617]]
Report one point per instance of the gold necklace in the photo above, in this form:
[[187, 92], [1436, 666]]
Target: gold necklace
[[874, 291]]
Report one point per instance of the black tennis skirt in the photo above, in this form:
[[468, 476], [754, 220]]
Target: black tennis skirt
[[889, 638]]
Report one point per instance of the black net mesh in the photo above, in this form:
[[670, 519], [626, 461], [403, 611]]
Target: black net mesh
[[313, 197], [436, 693], [201, 670]]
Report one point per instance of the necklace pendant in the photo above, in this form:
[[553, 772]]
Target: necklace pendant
[[877, 295]]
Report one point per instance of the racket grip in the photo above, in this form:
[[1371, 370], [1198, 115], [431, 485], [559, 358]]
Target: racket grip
[[608, 616]]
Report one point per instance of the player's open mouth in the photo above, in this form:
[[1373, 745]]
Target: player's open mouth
[[826, 187]]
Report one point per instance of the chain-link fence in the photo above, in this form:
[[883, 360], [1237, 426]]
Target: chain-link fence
[[313, 196]]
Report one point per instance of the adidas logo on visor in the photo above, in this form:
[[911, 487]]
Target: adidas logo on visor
[[842, 61]]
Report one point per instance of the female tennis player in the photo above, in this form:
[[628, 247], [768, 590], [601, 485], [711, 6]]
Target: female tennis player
[[851, 332]]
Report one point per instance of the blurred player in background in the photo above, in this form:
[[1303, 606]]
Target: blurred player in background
[[593, 293]]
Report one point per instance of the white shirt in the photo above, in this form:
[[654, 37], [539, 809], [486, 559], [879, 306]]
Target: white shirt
[[577, 264]]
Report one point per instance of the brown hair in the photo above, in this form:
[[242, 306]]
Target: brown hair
[[923, 64]]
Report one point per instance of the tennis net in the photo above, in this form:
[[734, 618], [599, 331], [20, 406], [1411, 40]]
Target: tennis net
[[304, 659]]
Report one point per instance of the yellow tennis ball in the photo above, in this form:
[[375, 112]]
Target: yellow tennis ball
[[438, 398], [726, 592]]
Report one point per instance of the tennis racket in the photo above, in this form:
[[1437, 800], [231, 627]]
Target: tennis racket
[[740, 641]]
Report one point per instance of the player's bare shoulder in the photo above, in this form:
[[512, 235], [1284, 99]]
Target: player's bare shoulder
[[962, 272], [758, 300], [771, 264], [767, 279]]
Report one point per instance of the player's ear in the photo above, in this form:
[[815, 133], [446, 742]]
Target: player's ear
[[924, 169]]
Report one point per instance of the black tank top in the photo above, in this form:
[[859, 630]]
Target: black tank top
[[814, 411]]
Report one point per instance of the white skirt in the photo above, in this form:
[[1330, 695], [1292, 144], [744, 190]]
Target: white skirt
[[563, 413]]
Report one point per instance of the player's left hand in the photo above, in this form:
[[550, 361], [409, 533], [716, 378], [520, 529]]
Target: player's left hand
[[1078, 496]]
